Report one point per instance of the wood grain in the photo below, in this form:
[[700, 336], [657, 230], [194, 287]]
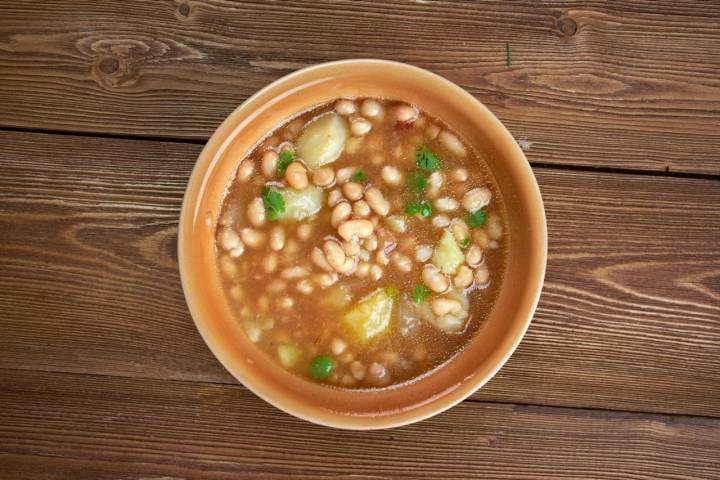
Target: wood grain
[[87, 427], [608, 84], [629, 317]]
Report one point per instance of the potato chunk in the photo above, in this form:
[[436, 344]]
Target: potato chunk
[[370, 317], [288, 354], [300, 204], [323, 140], [448, 256]]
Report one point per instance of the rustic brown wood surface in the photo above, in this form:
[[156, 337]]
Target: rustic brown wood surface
[[104, 107], [617, 84], [83, 426]]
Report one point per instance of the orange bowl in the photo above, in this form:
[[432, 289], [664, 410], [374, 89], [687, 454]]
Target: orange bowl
[[485, 353]]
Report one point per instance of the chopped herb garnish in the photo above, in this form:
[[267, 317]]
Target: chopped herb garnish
[[418, 182], [465, 243], [412, 209], [418, 208], [420, 293], [274, 203], [358, 176], [426, 160], [391, 292], [476, 219], [285, 159], [425, 209]]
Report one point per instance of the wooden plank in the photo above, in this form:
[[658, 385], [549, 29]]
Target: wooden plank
[[84, 426], [88, 278], [616, 84]]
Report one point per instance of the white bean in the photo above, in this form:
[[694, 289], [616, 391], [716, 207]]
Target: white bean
[[371, 108], [294, 272], [482, 276], [460, 175], [361, 208], [245, 170], [286, 303], [406, 114], [443, 306], [355, 229], [252, 238], [371, 243], [446, 204], [440, 221], [423, 253], [228, 266], [476, 199], [434, 184], [337, 346], [452, 143], [323, 177], [474, 256], [481, 238], [318, 258], [334, 255], [391, 175], [325, 280], [269, 163], [382, 258], [334, 197], [403, 263], [305, 287], [237, 251], [363, 269], [376, 272], [340, 213], [377, 372], [343, 175], [353, 191], [229, 239], [345, 107], [296, 176], [256, 212], [434, 279], [460, 230], [304, 231], [463, 278], [376, 200], [358, 370], [359, 126], [352, 247], [270, 262], [277, 238], [494, 227]]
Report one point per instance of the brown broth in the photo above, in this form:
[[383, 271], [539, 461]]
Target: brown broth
[[312, 325]]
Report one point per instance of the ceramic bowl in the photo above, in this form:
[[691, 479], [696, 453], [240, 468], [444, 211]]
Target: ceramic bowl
[[484, 354]]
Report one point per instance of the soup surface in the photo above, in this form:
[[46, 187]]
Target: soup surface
[[361, 243]]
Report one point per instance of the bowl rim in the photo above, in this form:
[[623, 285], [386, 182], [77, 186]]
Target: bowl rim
[[218, 141]]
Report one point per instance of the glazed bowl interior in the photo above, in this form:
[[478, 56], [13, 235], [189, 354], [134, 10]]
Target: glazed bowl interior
[[484, 354]]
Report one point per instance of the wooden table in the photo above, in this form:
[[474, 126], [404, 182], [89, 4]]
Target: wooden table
[[104, 107]]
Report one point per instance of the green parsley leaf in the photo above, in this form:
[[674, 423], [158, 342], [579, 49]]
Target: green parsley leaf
[[285, 159], [412, 209], [425, 209], [420, 293], [274, 203], [465, 243], [476, 219], [426, 160], [418, 182], [358, 176]]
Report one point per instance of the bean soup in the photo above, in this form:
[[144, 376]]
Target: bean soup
[[361, 243]]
